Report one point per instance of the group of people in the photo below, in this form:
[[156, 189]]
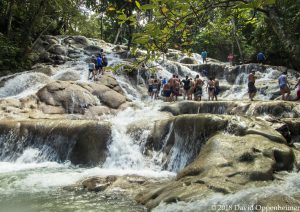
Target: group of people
[[188, 87], [285, 88], [96, 65]]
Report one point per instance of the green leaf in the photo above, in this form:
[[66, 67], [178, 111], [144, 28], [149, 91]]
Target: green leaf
[[147, 7], [138, 4]]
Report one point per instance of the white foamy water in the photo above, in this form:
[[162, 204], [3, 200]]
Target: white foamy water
[[245, 198], [125, 152], [24, 84]]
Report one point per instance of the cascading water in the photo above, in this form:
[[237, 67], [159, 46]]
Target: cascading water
[[35, 170], [23, 85]]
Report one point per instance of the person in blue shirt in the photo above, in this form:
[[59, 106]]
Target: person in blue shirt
[[204, 56], [261, 57], [284, 86]]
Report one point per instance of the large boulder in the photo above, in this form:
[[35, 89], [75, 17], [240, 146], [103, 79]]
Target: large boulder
[[111, 82], [71, 96], [45, 69], [107, 96], [188, 60], [58, 50], [77, 41], [81, 142], [93, 49], [68, 76]]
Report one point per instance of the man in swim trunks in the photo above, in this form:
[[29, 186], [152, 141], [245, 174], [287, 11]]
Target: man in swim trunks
[[172, 86], [198, 88], [150, 86], [167, 92], [284, 86], [217, 89], [251, 85], [186, 87], [210, 89]]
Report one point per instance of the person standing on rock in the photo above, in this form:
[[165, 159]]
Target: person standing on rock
[[251, 85], [284, 86], [261, 57], [210, 89], [186, 87], [92, 68], [198, 88], [99, 64], [167, 91], [104, 62], [191, 90], [204, 56], [176, 88], [155, 89], [150, 86], [217, 89], [159, 85], [230, 59], [172, 86]]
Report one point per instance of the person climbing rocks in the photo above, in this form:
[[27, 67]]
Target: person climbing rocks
[[217, 89], [186, 87], [210, 89], [284, 86], [99, 65], [230, 58], [150, 85], [251, 85], [159, 85], [155, 89], [204, 56], [104, 62], [192, 89], [297, 87], [92, 68], [167, 91], [176, 88], [261, 57], [172, 86], [198, 88]]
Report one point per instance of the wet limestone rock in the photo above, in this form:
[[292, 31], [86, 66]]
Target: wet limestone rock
[[45, 69], [68, 76], [58, 50], [71, 96], [79, 141], [278, 109], [229, 153], [188, 60], [107, 96], [111, 82]]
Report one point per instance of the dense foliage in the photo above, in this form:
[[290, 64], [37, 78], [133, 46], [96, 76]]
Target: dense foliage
[[242, 27]]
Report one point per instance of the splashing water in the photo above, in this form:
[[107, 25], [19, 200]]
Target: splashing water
[[23, 84]]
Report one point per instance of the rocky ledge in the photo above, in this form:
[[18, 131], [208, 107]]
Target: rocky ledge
[[226, 154]]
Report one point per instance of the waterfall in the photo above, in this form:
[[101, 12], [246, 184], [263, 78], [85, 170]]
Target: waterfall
[[23, 84]]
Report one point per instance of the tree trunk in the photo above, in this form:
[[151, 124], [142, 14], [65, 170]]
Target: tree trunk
[[101, 26], [118, 34], [237, 40], [9, 17], [290, 46], [30, 26]]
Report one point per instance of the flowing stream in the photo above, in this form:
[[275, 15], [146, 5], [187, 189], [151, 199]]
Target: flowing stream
[[34, 178]]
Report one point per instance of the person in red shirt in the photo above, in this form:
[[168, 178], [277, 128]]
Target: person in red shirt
[[230, 58]]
